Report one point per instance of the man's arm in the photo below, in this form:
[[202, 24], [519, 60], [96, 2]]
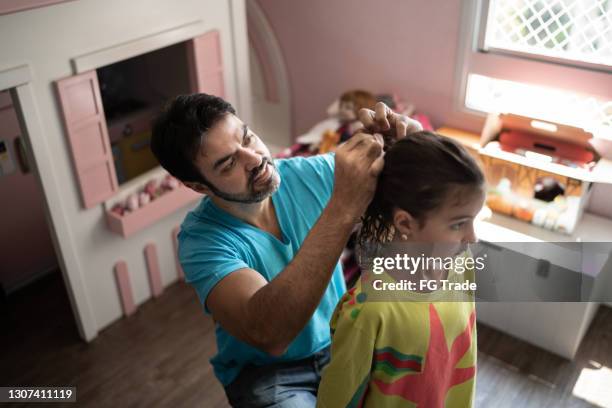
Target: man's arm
[[269, 315]]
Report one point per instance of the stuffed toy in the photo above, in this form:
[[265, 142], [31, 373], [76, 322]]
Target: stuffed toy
[[345, 110], [350, 104], [329, 141]]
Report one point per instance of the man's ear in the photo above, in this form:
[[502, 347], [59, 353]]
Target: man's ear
[[405, 224], [197, 187]]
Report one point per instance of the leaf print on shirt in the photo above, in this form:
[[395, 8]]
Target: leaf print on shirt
[[428, 388]]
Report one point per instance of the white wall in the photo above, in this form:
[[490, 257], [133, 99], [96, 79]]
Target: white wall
[[46, 39]]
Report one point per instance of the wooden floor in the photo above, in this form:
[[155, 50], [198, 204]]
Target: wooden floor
[[159, 356]]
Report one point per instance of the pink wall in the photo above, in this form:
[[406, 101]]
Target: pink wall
[[408, 47], [25, 241]]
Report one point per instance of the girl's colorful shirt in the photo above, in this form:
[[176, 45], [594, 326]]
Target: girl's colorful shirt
[[401, 353]]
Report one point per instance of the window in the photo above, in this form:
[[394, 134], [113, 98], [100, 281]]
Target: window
[[550, 59], [570, 31]]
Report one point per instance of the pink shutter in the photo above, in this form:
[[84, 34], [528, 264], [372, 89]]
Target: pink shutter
[[87, 135], [122, 277], [153, 270], [206, 64]]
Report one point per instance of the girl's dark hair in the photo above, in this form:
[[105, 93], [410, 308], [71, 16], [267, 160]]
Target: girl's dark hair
[[419, 171], [178, 129]]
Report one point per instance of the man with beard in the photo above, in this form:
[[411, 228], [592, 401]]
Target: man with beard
[[262, 247]]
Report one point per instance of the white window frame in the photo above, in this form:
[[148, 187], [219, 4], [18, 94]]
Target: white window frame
[[516, 66], [485, 14]]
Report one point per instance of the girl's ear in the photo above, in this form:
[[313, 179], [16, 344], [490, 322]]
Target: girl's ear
[[197, 187], [405, 225]]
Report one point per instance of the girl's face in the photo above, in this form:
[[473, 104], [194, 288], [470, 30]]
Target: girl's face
[[451, 223]]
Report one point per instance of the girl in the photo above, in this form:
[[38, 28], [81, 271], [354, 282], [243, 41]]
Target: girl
[[418, 351]]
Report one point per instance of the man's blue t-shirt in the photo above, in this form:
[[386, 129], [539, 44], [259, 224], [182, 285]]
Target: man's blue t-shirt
[[213, 244]]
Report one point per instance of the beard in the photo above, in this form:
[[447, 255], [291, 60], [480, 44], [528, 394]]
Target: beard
[[253, 195]]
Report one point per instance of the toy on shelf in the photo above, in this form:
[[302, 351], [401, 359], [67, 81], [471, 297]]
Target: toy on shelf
[[348, 109], [554, 151], [329, 141], [549, 208], [144, 206], [132, 204], [540, 172], [151, 191], [152, 188]]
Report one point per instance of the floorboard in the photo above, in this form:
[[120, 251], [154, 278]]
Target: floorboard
[[159, 356]]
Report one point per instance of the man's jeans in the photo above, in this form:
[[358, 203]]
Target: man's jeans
[[282, 385]]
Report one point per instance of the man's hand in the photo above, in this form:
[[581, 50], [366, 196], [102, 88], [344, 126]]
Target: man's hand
[[359, 161], [390, 124]]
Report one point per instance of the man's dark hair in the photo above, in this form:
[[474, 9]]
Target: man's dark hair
[[178, 130], [419, 173]]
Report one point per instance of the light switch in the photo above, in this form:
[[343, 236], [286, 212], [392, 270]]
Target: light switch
[[543, 268]]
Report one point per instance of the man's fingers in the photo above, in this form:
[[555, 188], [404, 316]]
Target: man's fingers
[[384, 120], [366, 117], [377, 119], [382, 113], [377, 166], [403, 125], [375, 147], [379, 138], [401, 128], [355, 140], [365, 145]]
